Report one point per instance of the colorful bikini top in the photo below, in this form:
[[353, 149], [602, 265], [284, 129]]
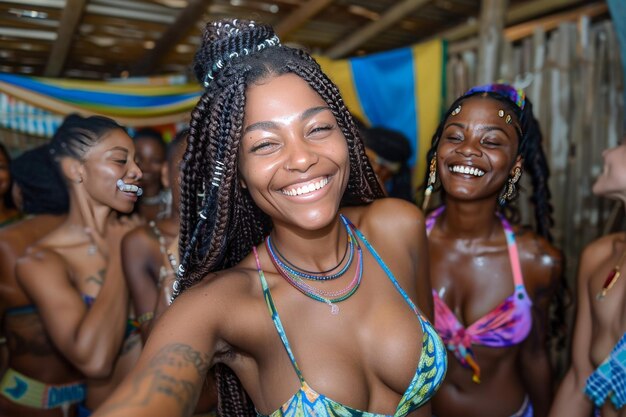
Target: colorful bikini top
[[431, 368], [505, 325]]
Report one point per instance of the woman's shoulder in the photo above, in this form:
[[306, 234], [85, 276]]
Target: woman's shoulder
[[387, 215], [534, 247], [542, 262], [232, 285], [40, 260], [229, 301], [602, 249]]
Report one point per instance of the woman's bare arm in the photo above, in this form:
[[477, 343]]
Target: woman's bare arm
[[171, 371], [89, 337], [570, 400], [536, 369], [141, 259]]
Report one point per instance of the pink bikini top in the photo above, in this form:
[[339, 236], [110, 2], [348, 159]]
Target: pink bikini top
[[505, 325]]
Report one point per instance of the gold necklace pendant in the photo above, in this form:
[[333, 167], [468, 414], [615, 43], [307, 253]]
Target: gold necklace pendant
[[612, 278]]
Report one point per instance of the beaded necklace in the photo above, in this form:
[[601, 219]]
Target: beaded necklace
[[315, 275], [613, 276], [329, 297], [312, 275]]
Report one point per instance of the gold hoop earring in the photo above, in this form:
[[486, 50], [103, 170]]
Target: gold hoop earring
[[432, 179]]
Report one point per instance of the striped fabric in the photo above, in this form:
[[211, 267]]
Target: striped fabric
[[402, 89]]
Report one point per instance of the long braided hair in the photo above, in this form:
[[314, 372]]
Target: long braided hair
[[219, 220], [536, 166]]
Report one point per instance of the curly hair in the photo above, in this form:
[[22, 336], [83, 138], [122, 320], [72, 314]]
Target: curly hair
[[219, 220]]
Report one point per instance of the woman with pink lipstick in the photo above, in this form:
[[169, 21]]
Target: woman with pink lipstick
[[280, 289], [596, 378], [74, 275], [491, 281]]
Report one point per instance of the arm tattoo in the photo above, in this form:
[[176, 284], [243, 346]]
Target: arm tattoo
[[160, 378]]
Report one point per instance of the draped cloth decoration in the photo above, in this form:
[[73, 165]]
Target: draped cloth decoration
[[402, 89], [140, 104]]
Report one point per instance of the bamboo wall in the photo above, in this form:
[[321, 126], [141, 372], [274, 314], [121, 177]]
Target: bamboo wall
[[573, 76]]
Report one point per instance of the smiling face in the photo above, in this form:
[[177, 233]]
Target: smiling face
[[150, 159], [612, 182], [293, 157], [477, 150], [109, 160]]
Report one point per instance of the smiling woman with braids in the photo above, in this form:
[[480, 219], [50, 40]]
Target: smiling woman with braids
[[492, 282], [277, 199]]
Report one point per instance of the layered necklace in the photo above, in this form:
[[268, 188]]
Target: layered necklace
[[613, 276], [297, 277]]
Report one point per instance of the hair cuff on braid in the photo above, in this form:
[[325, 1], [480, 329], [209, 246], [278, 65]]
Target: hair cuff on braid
[[220, 63]]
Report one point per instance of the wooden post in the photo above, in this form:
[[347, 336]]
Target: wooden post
[[490, 39]]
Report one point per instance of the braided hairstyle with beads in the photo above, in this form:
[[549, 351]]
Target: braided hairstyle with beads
[[219, 220], [536, 166]]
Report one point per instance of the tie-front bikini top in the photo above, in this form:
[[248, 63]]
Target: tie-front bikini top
[[505, 325], [429, 375]]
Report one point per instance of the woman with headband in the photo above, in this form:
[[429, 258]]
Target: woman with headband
[[298, 283], [74, 274], [491, 280]]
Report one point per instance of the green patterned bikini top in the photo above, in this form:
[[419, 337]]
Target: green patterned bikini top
[[431, 368]]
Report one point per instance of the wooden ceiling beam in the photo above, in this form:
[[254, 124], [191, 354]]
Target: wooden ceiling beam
[[300, 16], [393, 15], [515, 14], [551, 22], [176, 32], [68, 25]]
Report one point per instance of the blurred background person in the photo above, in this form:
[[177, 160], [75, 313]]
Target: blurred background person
[[597, 376], [8, 211], [44, 202], [74, 274], [150, 259], [150, 252], [389, 152], [150, 157]]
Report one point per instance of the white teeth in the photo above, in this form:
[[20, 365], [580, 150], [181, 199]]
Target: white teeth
[[305, 189], [464, 169]]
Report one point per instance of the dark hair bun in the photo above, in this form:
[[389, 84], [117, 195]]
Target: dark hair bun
[[225, 40]]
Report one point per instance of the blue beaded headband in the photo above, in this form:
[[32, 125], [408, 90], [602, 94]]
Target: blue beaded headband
[[516, 95]]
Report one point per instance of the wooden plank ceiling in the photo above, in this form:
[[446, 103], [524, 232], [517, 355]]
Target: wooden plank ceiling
[[102, 39]]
